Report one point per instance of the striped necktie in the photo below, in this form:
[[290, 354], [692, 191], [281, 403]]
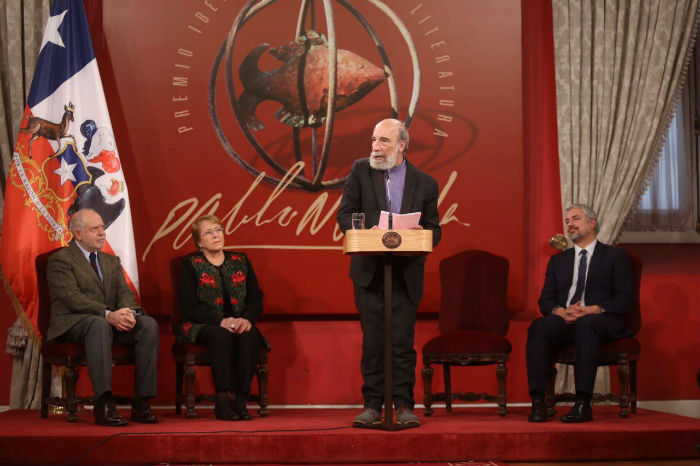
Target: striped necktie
[[581, 280]]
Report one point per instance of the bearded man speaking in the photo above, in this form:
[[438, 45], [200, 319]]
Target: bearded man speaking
[[387, 181]]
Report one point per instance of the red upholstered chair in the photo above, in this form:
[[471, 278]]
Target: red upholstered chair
[[189, 355], [473, 323], [623, 352], [69, 355]]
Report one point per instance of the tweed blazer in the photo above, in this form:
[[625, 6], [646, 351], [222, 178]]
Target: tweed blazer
[[76, 291]]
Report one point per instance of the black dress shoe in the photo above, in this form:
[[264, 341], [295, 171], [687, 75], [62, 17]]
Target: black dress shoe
[[538, 412], [143, 415], [581, 412], [223, 410], [106, 414], [240, 409]]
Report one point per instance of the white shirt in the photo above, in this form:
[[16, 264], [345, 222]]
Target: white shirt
[[577, 259]]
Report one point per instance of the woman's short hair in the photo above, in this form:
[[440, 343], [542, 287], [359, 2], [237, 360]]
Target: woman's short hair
[[196, 226]]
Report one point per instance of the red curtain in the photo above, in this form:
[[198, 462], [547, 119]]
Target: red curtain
[[542, 187]]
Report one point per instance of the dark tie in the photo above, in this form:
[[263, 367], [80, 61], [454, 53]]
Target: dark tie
[[93, 263], [581, 280]]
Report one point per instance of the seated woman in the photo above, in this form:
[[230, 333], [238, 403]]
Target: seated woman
[[220, 302]]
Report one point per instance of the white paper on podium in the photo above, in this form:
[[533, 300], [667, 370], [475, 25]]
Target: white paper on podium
[[399, 221]]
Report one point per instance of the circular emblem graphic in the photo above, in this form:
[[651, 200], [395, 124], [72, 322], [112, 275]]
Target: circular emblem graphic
[[391, 240], [314, 80]]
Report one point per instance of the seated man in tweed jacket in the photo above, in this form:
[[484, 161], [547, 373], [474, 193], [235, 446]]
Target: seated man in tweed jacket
[[92, 304]]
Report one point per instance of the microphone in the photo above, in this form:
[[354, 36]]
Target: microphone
[[388, 197]]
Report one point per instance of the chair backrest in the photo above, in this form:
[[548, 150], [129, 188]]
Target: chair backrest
[[633, 317], [44, 306], [176, 314], [474, 286]]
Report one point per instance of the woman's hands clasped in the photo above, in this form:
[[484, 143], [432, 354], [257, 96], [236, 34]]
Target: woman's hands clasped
[[236, 324]]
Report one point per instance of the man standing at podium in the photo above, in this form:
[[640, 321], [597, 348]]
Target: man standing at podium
[[387, 181]]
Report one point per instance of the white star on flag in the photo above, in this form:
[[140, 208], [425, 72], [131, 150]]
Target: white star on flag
[[66, 171], [51, 34]]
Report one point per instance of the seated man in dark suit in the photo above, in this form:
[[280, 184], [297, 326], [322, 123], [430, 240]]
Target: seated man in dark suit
[[587, 290], [91, 304]]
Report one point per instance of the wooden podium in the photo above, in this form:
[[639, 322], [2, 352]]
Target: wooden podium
[[388, 243]]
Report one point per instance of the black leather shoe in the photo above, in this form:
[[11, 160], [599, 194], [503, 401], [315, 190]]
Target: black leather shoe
[[240, 409], [538, 413], [144, 415], [581, 412], [106, 414], [223, 410]]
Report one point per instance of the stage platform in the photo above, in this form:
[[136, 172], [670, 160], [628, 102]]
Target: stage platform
[[323, 436]]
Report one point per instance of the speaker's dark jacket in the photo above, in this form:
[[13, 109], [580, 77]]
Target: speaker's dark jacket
[[364, 191]]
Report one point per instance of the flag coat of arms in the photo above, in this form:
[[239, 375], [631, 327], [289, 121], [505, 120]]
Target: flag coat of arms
[[65, 159]]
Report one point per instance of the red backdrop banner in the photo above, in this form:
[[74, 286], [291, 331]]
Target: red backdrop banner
[[213, 120]]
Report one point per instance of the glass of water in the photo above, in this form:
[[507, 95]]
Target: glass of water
[[358, 221]]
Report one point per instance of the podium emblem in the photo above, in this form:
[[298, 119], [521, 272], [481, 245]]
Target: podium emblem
[[391, 240]]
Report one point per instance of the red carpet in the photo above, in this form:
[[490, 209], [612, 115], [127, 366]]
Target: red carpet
[[324, 436]]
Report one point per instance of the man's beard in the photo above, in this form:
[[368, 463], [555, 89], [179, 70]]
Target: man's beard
[[389, 160]]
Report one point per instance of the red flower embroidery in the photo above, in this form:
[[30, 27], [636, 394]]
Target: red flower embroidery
[[238, 277], [207, 279], [236, 257], [234, 301], [186, 327], [219, 301], [197, 260]]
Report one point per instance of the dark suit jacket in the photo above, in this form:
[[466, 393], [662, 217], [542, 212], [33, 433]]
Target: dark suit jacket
[[608, 283], [364, 191], [76, 291]]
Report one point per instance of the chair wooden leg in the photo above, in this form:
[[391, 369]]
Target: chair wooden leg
[[447, 376], [623, 373], [501, 374], [549, 396], [633, 386], [262, 386], [427, 373], [178, 387], [70, 381], [190, 375], [45, 388]]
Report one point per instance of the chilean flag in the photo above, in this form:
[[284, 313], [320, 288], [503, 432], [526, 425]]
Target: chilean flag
[[65, 159]]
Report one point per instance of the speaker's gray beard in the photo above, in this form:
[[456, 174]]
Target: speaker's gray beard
[[389, 161]]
